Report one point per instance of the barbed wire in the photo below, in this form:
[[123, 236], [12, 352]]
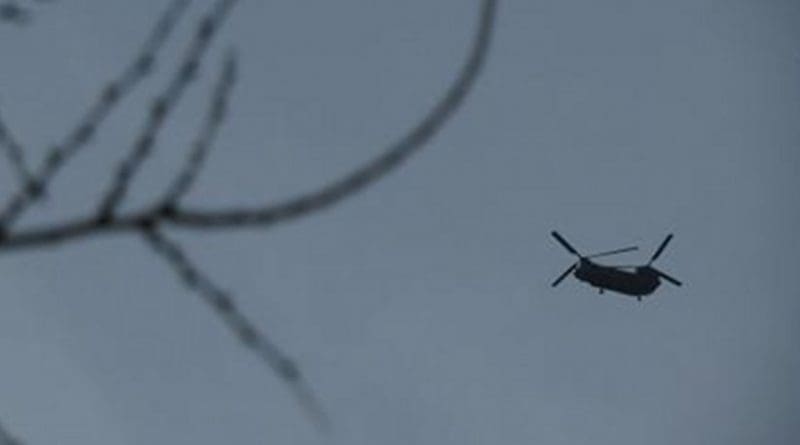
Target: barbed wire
[[371, 171], [249, 335], [303, 205], [168, 211], [208, 132], [83, 132], [163, 105]]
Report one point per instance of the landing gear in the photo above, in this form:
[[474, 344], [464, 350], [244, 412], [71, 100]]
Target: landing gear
[[639, 297], [601, 291]]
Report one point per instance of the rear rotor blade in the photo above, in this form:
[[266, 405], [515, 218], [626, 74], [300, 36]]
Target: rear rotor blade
[[564, 243], [661, 248], [613, 252], [668, 278], [564, 275]]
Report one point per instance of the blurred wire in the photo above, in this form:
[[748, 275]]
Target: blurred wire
[[245, 330], [83, 132], [163, 105], [167, 211], [214, 118]]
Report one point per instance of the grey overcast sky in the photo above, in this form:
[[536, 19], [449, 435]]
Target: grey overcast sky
[[421, 309]]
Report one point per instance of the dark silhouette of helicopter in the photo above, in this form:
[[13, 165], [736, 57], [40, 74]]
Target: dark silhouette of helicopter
[[642, 280]]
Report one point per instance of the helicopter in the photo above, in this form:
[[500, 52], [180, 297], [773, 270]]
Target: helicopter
[[636, 281]]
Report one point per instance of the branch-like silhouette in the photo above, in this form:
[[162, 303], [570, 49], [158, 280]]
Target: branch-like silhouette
[[168, 211], [245, 330], [83, 132], [216, 114], [162, 106]]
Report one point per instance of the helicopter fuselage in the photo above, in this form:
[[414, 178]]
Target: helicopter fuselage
[[642, 281]]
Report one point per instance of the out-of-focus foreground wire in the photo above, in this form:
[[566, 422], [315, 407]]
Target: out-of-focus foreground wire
[[167, 210], [109, 97]]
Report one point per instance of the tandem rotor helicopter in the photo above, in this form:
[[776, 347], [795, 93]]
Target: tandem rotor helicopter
[[636, 281]]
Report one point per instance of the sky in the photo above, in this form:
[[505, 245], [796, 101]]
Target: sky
[[421, 309]]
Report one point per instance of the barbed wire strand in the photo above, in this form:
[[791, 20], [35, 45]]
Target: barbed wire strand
[[163, 105], [373, 170], [15, 155], [214, 118], [304, 205], [84, 131], [245, 330], [148, 221]]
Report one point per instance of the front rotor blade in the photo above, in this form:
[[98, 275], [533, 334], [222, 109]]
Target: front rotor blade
[[564, 243], [661, 247], [612, 252], [564, 275], [668, 278]]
